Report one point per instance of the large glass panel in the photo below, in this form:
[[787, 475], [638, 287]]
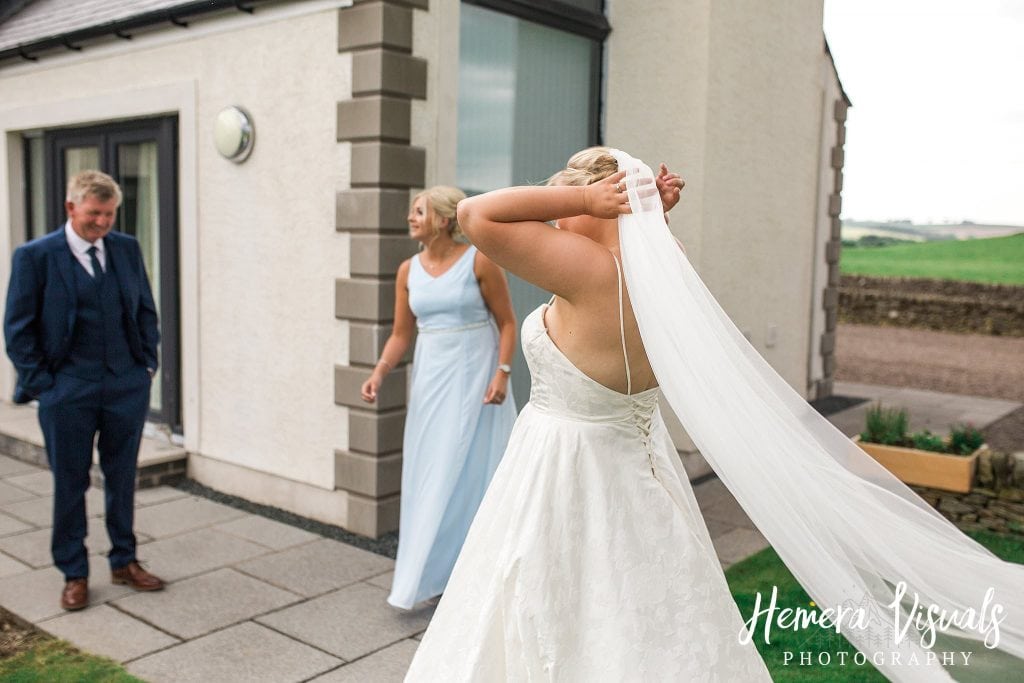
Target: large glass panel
[[37, 225], [525, 99], [139, 216], [79, 159], [526, 103]]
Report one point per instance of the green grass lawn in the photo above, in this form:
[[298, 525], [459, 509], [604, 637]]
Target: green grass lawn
[[763, 570], [54, 661], [996, 260]]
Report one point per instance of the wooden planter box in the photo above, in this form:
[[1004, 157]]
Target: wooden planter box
[[925, 468]]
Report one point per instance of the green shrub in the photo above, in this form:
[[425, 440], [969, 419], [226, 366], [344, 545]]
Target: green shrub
[[926, 441], [965, 439], [886, 426]]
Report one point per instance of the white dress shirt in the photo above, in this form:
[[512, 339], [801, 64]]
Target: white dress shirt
[[80, 248]]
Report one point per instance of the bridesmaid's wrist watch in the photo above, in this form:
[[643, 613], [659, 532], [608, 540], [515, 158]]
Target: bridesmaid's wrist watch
[[505, 367]]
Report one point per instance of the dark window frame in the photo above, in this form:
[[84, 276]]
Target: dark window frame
[[164, 131], [554, 13]]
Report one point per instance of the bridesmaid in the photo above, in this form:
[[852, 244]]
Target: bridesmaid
[[461, 410]]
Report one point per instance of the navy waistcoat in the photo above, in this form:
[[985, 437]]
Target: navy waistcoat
[[100, 340]]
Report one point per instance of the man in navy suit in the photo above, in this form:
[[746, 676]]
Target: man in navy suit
[[81, 328]]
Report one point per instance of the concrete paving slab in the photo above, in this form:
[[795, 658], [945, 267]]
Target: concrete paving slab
[[920, 397], [385, 666], [738, 544], [247, 653], [850, 421], [39, 482], [21, 422], [35, 595], [39, 511], [382, 580], [717, 527], [36, 511], [859, 390], [33, 547], [153, 451], [10, 566], [267, 532], [12, 525], [30, 547], [350, 623], [98, 541], [729, 512], [195, 552], [103, 630], [9, 466], [710, 492], [205, 603], [13, 494], [183, 514], [157, 494], [317, 567]]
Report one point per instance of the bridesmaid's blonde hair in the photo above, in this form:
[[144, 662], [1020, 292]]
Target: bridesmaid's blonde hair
[[585, 167], [441, 201]]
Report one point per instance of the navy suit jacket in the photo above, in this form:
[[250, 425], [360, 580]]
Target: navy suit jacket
[[39, 320]]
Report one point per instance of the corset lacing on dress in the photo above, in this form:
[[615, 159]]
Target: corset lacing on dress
[[640, 411]]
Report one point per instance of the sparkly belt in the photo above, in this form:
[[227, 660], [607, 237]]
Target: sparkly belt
[[460, 328]]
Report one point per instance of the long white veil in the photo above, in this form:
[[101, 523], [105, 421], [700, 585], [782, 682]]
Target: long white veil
[[847, 529]]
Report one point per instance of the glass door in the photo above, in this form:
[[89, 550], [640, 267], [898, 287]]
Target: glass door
[[142, 157]]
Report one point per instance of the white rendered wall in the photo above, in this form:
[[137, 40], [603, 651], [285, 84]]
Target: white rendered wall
[[258, 247], [434, 125], [729, 93]]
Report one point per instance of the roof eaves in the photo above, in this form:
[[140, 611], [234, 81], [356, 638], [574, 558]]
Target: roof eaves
[[122, 28]]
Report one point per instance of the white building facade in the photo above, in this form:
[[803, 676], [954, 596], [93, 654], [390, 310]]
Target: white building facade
[[275, 276]]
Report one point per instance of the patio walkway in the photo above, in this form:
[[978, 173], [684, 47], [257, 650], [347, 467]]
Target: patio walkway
[[251, 599]]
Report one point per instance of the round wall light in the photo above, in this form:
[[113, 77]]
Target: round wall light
[[234, 134]]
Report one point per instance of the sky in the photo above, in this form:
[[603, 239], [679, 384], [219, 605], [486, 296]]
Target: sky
[[936, 131]]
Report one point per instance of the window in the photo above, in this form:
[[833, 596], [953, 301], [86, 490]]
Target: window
[[528, 99], [529, 94]]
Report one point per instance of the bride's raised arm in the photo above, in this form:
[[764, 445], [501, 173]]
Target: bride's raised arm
[[510, 227]]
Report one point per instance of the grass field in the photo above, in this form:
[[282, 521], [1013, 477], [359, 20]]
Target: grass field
[[995, 260], [763, 570]]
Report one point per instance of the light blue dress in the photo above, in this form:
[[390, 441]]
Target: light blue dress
[[453, 442]]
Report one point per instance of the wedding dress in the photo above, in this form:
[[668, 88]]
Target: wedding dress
[[588, 559]]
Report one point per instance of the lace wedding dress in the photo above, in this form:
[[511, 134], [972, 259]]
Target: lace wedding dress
[[588, 559]]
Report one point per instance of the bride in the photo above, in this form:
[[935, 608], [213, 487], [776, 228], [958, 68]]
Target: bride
[[588, 558]]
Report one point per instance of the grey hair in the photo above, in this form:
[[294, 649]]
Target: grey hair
[[95, 184]]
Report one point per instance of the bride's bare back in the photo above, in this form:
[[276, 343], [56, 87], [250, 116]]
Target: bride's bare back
[[588, 334]]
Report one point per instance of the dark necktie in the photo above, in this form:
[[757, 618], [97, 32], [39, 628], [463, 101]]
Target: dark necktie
[[97, 271]]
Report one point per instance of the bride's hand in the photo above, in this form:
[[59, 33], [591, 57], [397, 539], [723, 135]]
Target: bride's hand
[[669, 186], [606, 198]]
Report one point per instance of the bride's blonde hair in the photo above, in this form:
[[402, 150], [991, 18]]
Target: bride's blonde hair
[[442, 200], [585, 167]]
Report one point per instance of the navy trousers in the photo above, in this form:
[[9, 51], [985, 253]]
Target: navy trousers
[[71, 413]]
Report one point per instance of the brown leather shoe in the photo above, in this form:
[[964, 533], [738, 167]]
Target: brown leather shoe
[[132, 574], [75, 594]]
